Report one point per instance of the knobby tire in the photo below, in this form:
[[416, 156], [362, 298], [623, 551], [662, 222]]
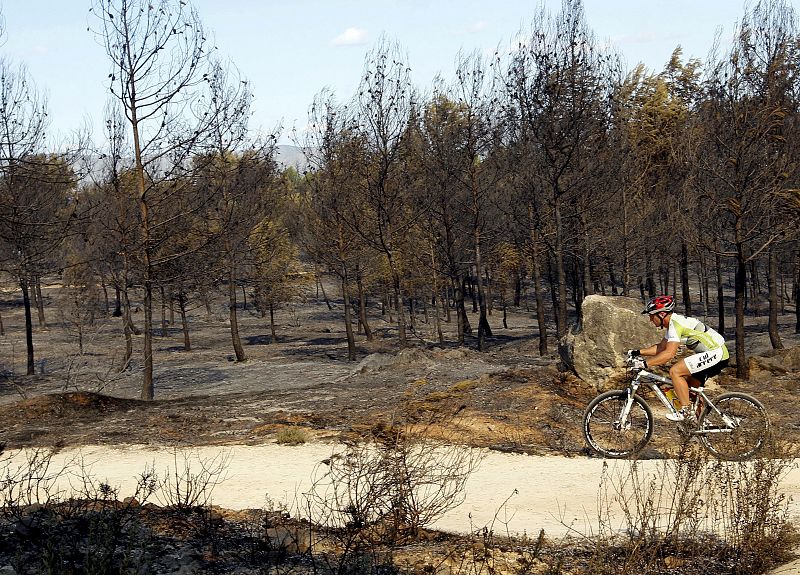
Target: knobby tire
[[609, 437], [743, 442]]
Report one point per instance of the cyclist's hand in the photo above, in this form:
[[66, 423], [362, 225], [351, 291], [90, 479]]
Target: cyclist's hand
[[636, 363]]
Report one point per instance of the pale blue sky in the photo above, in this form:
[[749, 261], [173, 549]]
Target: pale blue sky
[[292, 49]]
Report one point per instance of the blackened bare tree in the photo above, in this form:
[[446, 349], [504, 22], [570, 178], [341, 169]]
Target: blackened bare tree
[[157, 54], [236, 173], [35, 189], [113, 229], [334, 149], [747, 164], [447, 217], [460, 125], [382, 111], [559, 82]]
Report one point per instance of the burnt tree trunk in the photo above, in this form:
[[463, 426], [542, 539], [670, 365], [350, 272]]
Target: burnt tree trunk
[[772, 280], [459, 287], [362, 307], [706, 288], [435, 294], [204, 297], [626, 258], [755, 289], [649, 282], [321, 286], [740, 285], [348, 320], [577, 288], [612, 278], [489, 293], [237, 342], [164, 329], [398, 297], [106, 299], [117, 302], [560, 302], [187, 344], [541, 321], [272, 330], [551, 281], [586, 267], [687, 298], [484, 330], [720, 295], [26, 300], [39, 302], [127, 329], [797, 293]]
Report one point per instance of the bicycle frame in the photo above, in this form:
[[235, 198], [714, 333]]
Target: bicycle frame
[[653, 381]]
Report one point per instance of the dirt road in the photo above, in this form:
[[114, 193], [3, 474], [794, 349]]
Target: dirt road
[[508, 492]]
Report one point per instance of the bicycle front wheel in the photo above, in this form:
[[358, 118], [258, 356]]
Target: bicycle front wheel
[[738, 431], [608, 434]]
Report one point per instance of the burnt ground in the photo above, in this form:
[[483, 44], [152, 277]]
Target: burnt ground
[[506, 398]]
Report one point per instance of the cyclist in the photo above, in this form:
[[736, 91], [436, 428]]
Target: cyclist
[[710, 353]]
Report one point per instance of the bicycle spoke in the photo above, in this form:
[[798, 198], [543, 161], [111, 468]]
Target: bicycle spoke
[[609, 434], [740, 432]]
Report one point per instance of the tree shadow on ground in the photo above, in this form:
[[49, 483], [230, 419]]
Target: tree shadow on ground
[[260, 339]]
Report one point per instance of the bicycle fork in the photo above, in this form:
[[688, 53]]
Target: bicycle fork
[[623, 423]]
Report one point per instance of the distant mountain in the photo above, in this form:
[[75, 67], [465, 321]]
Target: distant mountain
[[291, 156]]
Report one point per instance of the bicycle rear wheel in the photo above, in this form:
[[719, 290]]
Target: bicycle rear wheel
[[740, 432], [607, 434]]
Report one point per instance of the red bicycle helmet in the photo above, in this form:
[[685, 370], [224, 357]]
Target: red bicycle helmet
[[660, 303]]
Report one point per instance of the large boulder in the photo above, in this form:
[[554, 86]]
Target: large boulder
[[609, 326]]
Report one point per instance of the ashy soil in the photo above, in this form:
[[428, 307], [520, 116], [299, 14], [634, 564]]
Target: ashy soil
[[506, 398]]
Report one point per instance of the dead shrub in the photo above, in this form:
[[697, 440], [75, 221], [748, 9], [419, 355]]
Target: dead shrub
[[693, 511], [383, 492], [189, 484], [49, 528]]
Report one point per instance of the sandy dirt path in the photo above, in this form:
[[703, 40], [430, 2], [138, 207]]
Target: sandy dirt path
[[508, 492]]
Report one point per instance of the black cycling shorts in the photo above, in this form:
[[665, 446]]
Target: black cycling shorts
[[711, 371]]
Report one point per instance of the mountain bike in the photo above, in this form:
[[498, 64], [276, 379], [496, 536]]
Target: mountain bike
[[619, 423]]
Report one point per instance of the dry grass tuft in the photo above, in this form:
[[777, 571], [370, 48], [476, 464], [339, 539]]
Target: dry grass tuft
[[291, 436]]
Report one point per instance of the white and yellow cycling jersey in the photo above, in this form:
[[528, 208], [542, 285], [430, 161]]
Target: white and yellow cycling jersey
[[695, 335]]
